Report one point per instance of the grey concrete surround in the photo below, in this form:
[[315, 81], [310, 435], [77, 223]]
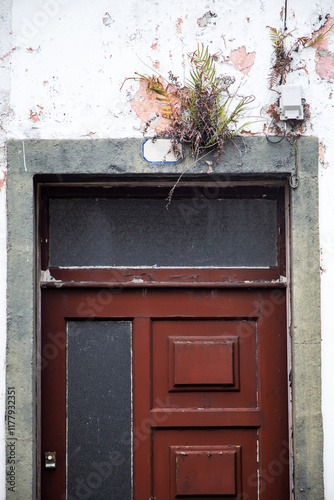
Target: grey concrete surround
[[250, 158]]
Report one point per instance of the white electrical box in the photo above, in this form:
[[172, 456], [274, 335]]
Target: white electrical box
[[291, 105]]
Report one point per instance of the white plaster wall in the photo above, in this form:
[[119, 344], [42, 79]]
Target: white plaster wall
[[68, 59], [72, 58]]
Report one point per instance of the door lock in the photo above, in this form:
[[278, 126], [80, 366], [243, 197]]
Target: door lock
[[50, 459]]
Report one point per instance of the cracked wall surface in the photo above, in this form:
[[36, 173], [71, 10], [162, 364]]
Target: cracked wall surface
[[62, 63]]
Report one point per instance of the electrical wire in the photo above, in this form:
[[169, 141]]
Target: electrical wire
[[281, 79], [285, 13], [280, 137]]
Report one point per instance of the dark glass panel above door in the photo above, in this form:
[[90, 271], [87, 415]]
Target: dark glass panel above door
[[141, 232]]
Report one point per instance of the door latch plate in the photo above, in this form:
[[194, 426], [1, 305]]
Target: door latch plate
[[50, 459]]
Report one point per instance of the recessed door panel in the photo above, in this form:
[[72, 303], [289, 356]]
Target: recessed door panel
[[202, 363]]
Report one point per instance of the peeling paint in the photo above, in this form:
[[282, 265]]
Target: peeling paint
[[35, 115], [324, 64], [146, 107], [46, 277], [107, 19], [323, 42], [324, 58], [322, 152], [3, 180], [206, 19], [243, 61], [178, 25]]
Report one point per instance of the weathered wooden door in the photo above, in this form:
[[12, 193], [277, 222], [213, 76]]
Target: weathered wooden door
[[162, 388]]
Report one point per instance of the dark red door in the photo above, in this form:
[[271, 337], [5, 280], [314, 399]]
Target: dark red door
[[208, 402]]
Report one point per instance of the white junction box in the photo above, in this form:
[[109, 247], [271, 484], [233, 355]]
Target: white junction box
[[291, 106]]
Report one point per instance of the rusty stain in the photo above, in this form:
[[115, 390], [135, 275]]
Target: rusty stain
[[273, 111], [8, 54], [34, 116], [248, 133], [154, 45], [243, 61], [156, 64], [281, 13], [3, 181], [30, 49], [303, 68], [178, 25], [90, 134]]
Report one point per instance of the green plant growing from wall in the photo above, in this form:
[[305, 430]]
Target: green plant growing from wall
[[282, 60], [202, 113]]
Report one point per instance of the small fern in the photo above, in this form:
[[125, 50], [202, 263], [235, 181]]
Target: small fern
[[283, 57]]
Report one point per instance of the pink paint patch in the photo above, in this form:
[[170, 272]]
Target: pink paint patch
[[242, 60], [145, 106], [324, 65], [322, 43]]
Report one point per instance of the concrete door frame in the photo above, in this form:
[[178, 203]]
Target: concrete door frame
[[250, 158]]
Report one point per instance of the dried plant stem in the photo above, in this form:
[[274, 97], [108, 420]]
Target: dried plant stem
[[171, 192]]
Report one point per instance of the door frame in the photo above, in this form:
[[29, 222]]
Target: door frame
[[251, 160]]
